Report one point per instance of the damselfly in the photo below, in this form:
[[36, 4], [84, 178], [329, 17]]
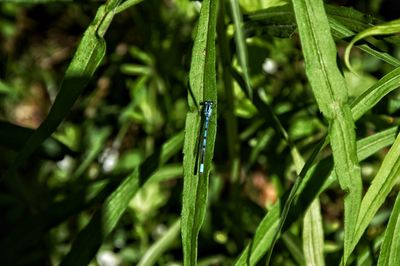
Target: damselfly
[[206, 116]]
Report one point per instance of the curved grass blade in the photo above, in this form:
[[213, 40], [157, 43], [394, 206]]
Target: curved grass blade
[[103, 222], [387, 28], [87, 58], [360, 106], [390, 250], [340, 31], [202, 78]]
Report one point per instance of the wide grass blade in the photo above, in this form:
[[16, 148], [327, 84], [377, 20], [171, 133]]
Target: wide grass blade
[[390, 250], [104, 220], [330, 91], [202, 78], [360, 106]]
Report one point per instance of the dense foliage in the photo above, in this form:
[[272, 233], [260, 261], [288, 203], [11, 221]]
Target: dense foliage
[[108, 156]]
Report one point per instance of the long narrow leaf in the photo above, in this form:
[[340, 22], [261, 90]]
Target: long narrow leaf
[[263, 237], [313, 235], [330, 91], [241, 44], [384, 181], [86, 60], [390, 250], [202, 78], [375, 93], [162, 244]]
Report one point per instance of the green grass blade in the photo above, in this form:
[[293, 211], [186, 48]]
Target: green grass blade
[[330, 91], [293, 244], [87, 58], [126, 4], [353, 19], [340, 31], [103, 222], [241, 47], [391, 27], [361, 105], [279, 21], [379, 189], [375, 93], [262, 239], [202, 78], [313, 235], [381, 139], [95, 146], [315, 181], [390, 250], [161, 245]]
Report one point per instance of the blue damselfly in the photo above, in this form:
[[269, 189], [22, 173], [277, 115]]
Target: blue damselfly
[[206, 116]]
